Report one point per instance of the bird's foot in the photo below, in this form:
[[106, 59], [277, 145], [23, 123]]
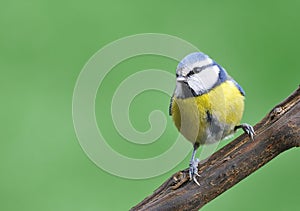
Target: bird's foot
[[247, 129], [193, 172]]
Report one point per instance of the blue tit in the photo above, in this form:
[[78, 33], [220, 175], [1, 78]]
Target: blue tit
[[207, 104]]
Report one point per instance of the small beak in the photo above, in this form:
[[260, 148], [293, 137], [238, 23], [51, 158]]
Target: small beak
[[181, 79]]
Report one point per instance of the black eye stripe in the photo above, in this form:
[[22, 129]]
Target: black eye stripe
[[199, 69]]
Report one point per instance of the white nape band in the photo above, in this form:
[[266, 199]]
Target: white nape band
[[202, 63]]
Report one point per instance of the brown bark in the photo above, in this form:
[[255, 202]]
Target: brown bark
[[275, 133]]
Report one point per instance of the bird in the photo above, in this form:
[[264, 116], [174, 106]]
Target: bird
[[207, 104]]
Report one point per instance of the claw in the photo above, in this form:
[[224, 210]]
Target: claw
[[193, 172], [247, 129], [195, 180]]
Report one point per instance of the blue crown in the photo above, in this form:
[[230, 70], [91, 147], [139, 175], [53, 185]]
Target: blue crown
[[191, 59]]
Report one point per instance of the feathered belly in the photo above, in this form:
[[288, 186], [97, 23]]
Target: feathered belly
[[210, 117]]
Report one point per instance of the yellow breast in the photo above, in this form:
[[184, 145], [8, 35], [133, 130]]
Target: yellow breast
[[209, 117]]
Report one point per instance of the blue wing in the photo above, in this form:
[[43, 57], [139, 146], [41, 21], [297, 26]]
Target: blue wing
[[170, 106], [239, 87]]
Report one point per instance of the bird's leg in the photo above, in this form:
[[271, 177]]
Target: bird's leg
[[193, 171], [247, 129]]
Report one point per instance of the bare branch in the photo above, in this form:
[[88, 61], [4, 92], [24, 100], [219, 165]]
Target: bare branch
[[275, 133]]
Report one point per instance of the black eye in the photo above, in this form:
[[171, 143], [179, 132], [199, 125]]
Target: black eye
[[197, 69], [192, 72], [177, 75]]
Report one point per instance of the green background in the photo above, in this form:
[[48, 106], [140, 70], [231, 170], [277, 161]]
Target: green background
[[45, 44]]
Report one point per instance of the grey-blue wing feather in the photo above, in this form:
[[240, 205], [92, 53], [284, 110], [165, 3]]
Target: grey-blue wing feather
[[170, 106], [239, 87]]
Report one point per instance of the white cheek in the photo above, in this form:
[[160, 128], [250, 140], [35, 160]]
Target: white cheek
[[205, 80]]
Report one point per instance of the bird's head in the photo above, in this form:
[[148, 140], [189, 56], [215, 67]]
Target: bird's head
[[197, 74]]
